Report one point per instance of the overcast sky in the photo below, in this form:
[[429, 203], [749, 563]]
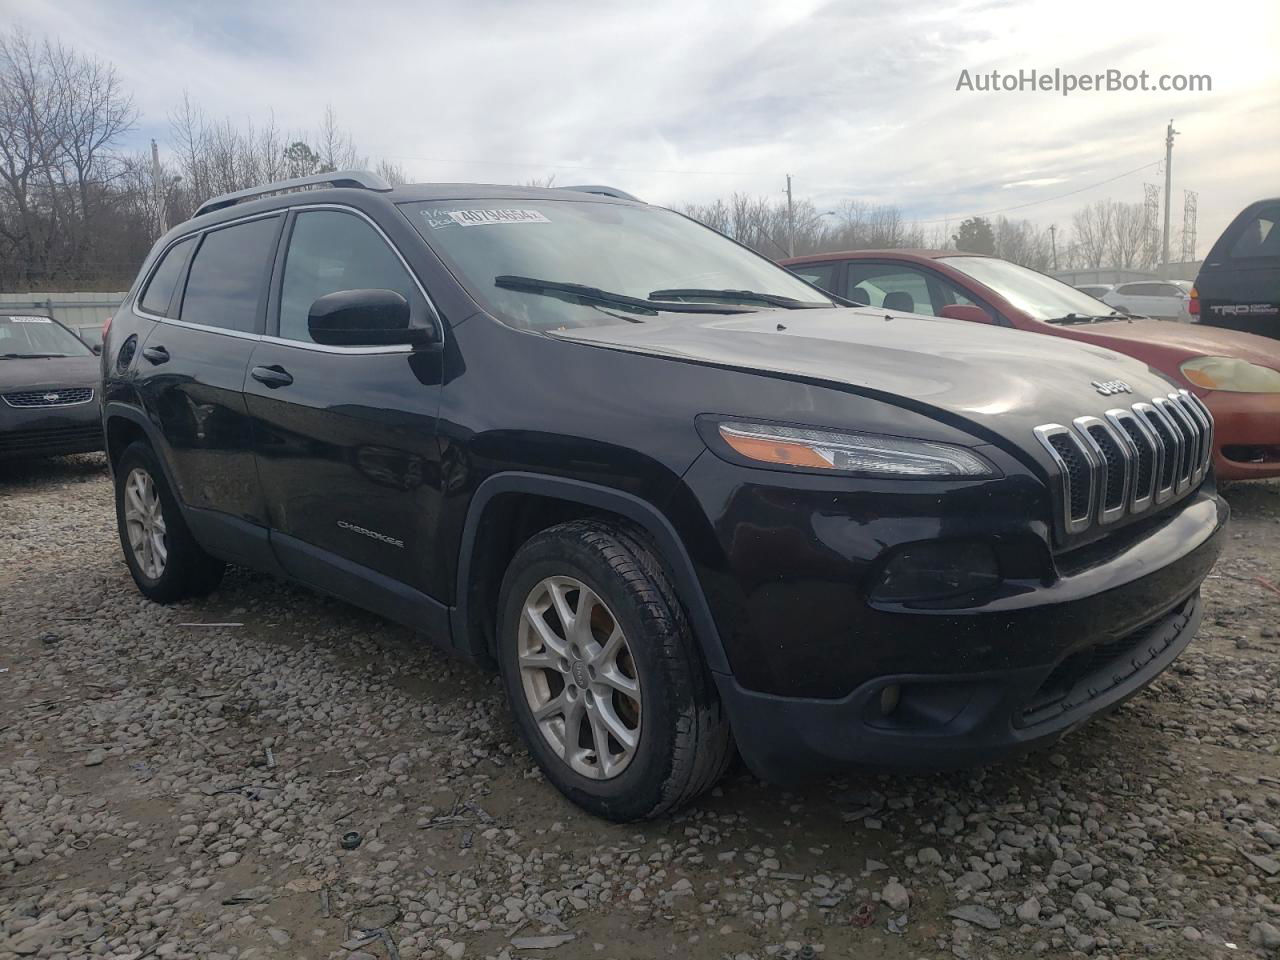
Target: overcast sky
[[679, 100]]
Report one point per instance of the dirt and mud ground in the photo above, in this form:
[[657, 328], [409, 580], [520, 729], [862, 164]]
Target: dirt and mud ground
[[173, 788]]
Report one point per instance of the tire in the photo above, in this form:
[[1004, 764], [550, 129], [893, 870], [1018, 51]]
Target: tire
[[184, 570], [680, 742]]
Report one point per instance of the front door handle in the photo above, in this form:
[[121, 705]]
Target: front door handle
[[156, 355], [273, 376]]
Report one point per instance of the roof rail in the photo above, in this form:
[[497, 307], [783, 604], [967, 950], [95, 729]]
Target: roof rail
[[362, 179], [604, 192]]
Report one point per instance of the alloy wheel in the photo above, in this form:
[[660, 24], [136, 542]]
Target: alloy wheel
[[144, 523], [579, 677]]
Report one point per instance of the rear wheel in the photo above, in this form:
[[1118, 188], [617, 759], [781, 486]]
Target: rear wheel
[[604, 676], [166, 562]]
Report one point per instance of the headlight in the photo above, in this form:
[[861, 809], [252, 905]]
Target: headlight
[[1232, 375], [851, 452]]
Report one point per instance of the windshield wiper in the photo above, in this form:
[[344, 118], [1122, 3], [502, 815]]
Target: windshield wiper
[[553, 287], [751, 296], [30, 356], [1082, 318]]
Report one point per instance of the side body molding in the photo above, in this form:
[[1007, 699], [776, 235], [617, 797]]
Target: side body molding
[[641, 512]]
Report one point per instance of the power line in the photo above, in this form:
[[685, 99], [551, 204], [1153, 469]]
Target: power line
[[1032, 203]]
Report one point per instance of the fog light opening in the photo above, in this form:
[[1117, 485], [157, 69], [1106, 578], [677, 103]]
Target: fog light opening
[[890, 696]]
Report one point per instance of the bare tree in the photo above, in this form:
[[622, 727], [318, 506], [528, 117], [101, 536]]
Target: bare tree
[[1128, 234], [1023, 242], [1091, 234], [336, 148]]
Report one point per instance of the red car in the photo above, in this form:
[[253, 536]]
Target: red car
[[1236, 374]]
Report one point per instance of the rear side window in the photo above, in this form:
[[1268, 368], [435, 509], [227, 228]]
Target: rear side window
[[228, 276], [1260, 238], [159, 292], [331, 251], [1140, 290]]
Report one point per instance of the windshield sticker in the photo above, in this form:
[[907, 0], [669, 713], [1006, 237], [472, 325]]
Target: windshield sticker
[[479, 218], [31, 320]]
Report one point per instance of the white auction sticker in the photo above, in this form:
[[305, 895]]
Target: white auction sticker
[[31, 320], [477, 218]]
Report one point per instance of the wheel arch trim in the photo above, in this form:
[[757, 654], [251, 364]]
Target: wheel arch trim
[[115, 410], [639, 511]]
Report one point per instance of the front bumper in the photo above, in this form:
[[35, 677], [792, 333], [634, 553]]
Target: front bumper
[[810, 655], [50, 431], [950, 722], [1246, 430]]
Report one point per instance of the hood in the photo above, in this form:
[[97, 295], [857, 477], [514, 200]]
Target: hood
[[1186, 339], [1006, 381], [49, 372]]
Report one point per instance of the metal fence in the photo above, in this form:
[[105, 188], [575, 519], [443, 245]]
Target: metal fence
[[72, 309]]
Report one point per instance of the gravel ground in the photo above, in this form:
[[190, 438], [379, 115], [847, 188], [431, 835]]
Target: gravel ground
[[172, 786]]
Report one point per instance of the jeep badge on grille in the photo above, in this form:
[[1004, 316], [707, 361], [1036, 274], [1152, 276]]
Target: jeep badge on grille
[[1109, 387]]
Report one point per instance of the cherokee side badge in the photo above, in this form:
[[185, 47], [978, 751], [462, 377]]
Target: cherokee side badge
[[1110, 387]]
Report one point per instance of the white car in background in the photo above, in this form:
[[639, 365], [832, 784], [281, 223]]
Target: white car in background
[[1150, 298]]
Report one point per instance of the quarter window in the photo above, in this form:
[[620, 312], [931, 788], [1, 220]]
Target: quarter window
[[331, 251], [164, 280], [229, 275], [1260, 237]]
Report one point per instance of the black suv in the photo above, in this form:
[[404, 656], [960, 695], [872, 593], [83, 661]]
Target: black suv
[[48, 390], [1239, 282], [675, 493]]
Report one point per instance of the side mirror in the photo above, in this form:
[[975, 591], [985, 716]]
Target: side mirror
[[966, 311], [96, 348], [364, 318]]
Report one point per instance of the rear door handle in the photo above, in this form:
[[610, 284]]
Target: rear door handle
[[156, 354], [273, 376]]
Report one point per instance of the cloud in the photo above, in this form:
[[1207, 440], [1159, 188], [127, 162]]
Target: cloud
[[681, 100], [1034, 182]]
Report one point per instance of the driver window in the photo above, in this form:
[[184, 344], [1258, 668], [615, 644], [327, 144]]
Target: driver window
[[330, 251], [890, 287]]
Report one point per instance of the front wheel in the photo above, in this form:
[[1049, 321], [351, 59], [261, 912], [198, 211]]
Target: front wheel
[[166, 562], [603, 674]]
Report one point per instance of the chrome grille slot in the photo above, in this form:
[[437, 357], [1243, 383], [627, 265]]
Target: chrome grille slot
[[1135, 457], [1113, 467], [1145, 450], [1190, 440], [1170, 441]]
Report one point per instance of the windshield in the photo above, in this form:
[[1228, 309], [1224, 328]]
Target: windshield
[[38, 337], [628, 252], [1042, 297]]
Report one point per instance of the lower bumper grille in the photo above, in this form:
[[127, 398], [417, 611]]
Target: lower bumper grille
[[1091, 672], [50, 439]]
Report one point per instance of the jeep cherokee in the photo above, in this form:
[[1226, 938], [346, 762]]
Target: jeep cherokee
[[681, 498]]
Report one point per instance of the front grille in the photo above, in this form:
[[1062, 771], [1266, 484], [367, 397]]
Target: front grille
[[60, 397], [1119, 466], [53, 438]]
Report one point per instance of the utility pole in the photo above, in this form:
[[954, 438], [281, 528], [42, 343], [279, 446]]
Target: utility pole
[[1168, 182], [157, 183], [1053, 241], [791, 221]]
